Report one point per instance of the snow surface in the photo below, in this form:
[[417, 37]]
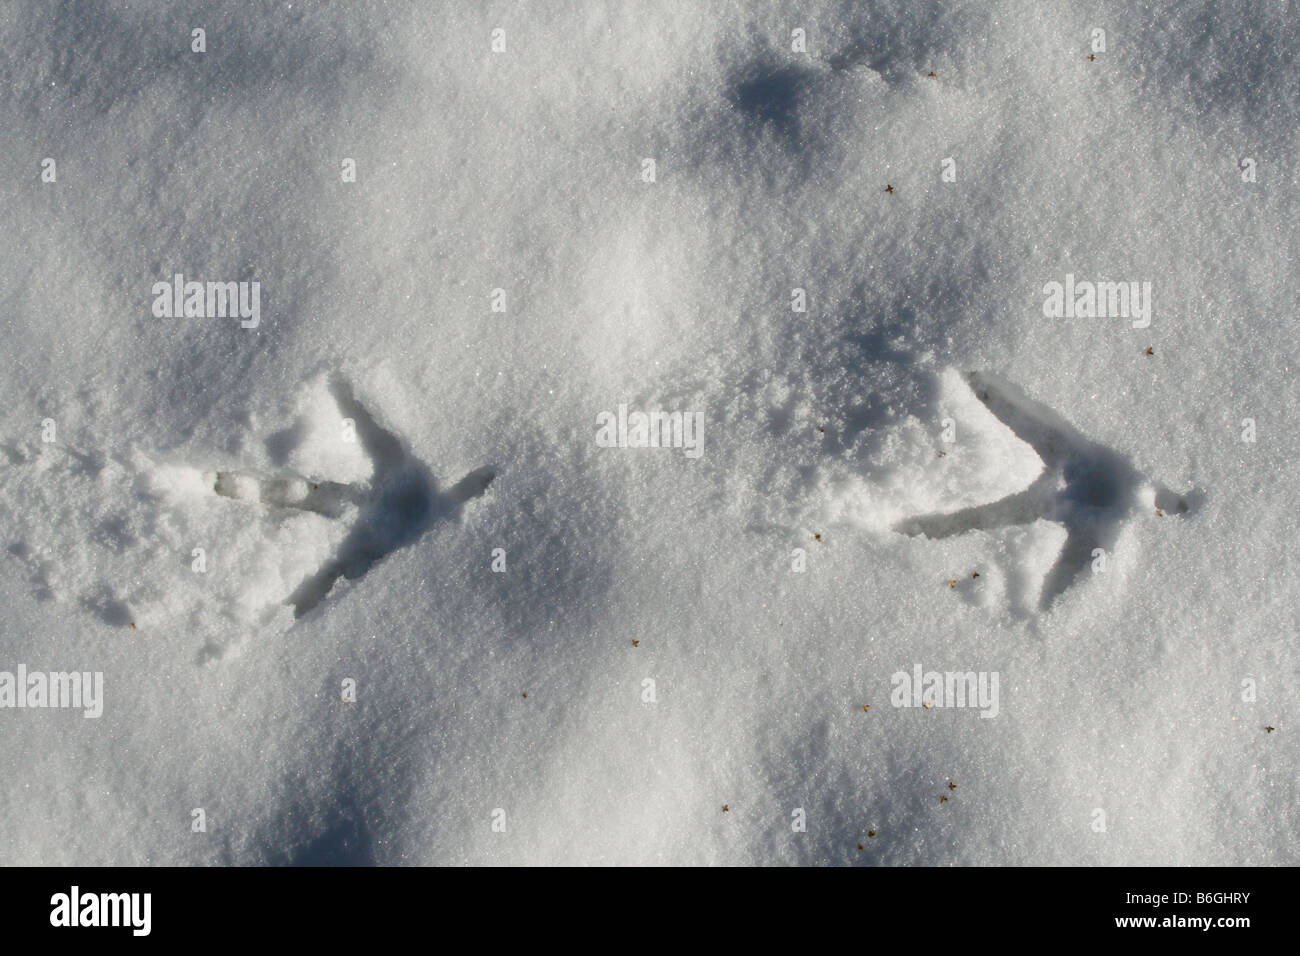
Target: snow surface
[[327, 559]]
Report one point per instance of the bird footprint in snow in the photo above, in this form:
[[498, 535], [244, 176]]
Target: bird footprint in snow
[[1087, 488], [393, 509], [164, 546]]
